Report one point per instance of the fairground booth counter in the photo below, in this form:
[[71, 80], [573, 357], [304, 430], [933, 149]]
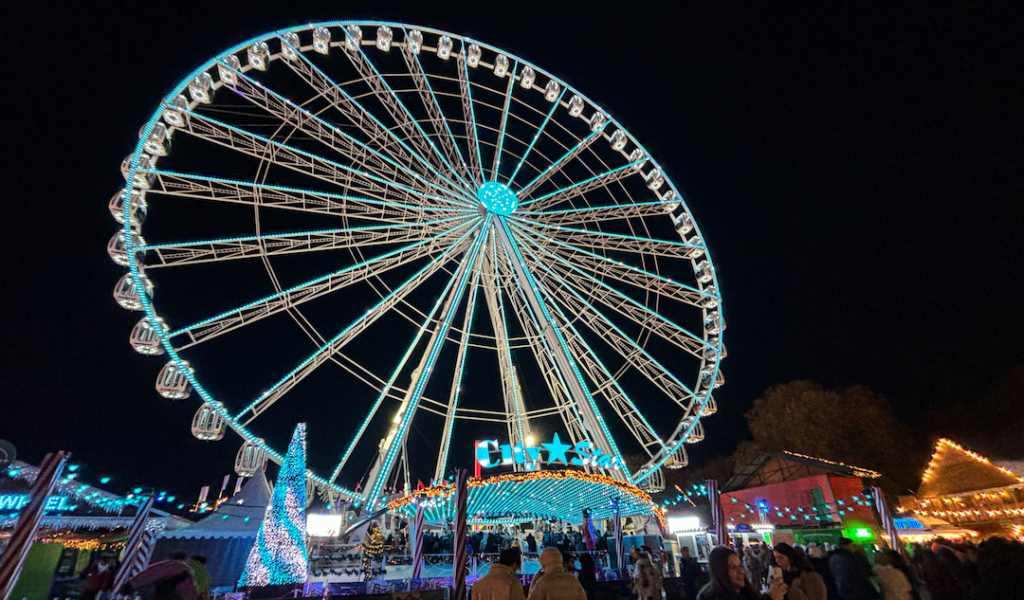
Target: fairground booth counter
[[964, 495], [794, 498], [80, 523], [550, 505]]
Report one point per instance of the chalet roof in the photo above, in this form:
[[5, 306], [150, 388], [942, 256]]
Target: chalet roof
[[954, 469], [239, 516], [777, 467]]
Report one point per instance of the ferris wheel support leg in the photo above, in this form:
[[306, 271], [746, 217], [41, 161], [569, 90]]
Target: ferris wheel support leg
[[624, 407], [385, 391], [456, 389], [594, 422], [509, 382], [567, 411], [398, 434]]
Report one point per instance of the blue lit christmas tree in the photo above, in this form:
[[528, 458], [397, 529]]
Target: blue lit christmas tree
[[279, 555]]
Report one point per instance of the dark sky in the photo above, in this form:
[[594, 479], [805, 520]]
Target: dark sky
[[857, 169]]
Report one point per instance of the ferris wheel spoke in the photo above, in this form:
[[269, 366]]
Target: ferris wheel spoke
[[632, 352], [400, 429], [606, 384], [469, 114], [640, 278], [259, 147], [212, 250], [437, 118], [389, 389], [614, 241], [375, 131], [522, 159], [509, 383], [504, 122], [314, 288], [578, 189], [346, 335], [620, 303], [595, 214], [593, 421], [456, 389], [400, 113], [557, 166], [217, 189], [362, 156]]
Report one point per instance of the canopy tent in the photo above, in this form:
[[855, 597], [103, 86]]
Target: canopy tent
[[225, 536], [516, 497]]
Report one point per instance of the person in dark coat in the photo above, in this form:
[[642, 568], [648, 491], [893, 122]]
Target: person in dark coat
[[729, 580], [531, 543], [689, 571], [852, 573], [98, 578]]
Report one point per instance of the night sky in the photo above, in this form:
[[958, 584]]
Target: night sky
[[857, 170]]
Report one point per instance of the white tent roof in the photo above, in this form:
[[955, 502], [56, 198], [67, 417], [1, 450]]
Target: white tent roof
[[240, 516]]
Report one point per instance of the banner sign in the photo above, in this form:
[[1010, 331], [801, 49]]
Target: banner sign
[[18, 501], [489, 453]]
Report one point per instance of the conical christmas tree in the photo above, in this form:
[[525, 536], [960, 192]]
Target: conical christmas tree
[[279, 555]]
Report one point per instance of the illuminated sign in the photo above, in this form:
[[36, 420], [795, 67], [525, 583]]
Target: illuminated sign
[[323, 525], [908, 523], [684, 524], [18, 502], [582, 454]]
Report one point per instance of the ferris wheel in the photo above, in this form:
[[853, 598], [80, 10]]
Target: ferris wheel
[[426, 213]]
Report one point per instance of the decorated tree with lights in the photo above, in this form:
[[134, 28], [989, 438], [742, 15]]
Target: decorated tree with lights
[[373, 550], [279, 555]]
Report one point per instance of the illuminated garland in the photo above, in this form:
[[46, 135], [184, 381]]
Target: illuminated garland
[[809, 513], [373, 550], [92, 544], [857, 471], [445, 490], [943, 444]]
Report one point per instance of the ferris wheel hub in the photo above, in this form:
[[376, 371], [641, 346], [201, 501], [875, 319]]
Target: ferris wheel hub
[[497, 198]]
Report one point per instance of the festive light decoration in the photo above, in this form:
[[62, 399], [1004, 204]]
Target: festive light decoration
[[279, 555], [373, 551], [945, 444], [857, 471], [73, 489], [517, 497]]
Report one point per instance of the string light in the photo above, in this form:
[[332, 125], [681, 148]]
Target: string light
[[857, 471], [516, 497], [945, 444]]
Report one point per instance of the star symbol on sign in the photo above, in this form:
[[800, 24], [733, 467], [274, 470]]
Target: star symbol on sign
[[556, 450]]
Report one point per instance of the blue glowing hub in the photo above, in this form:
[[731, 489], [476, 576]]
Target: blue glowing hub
[[497, 198]]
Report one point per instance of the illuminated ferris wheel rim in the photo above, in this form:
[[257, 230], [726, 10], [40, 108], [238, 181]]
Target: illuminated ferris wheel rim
[[506, 214]]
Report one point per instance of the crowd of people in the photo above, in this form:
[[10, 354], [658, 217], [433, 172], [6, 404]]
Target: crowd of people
[[993, 569], [494, 541], [559, 578]]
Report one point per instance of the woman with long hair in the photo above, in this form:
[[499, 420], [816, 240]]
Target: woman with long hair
[[729, 581], [797, 571]]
